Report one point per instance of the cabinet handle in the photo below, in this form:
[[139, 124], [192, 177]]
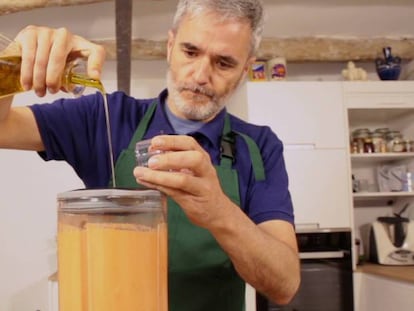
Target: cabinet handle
[[394, 104], [305, 227], [310, 146], [321, 255]]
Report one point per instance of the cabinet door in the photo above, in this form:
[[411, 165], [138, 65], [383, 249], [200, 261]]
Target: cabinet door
[[319, 185], [379, 94], [305, 113], [378, 293]]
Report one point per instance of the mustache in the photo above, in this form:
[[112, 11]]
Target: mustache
[[197, 89]]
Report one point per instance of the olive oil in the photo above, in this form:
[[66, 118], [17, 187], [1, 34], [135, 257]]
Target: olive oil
[[72, 82], [10, 75]]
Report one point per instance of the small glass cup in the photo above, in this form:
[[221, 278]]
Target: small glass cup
[[143, 152]]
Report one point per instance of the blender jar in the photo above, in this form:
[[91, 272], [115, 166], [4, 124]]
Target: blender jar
[[112, 250]]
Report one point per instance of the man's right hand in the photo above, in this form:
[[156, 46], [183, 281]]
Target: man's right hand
[[44, 52]]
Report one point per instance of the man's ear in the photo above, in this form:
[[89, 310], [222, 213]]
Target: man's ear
[[170, 44]]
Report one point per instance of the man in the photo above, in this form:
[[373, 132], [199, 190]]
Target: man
[[232, 214]]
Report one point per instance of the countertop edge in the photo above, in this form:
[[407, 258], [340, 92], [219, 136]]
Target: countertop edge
[[396, 273]]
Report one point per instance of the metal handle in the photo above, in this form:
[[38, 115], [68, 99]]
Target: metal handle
[[321, 255], [303, 146]]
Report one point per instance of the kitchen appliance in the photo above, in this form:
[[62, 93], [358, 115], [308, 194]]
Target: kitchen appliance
[[391, 240], [326, 273], [112, 250]]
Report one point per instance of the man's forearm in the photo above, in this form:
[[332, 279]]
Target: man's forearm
[[5, 104], [266, 262]]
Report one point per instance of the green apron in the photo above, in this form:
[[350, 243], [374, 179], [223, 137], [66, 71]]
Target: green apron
[[201, 275]]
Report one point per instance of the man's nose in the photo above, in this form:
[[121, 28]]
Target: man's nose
[[203, 70]]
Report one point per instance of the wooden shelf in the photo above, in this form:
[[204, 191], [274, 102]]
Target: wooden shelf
[[367, 195], [358, 116], [398, 273], [380, 157], [374, 198]]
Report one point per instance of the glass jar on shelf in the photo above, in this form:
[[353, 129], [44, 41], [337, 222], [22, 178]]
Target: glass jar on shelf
[[368, 145], [354, 147], [394, 141], [383, 131], [378, 141], [409, 145], [398, 145], [359, 137]]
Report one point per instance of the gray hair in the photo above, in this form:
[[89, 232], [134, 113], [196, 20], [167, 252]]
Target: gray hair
[[244, 10]]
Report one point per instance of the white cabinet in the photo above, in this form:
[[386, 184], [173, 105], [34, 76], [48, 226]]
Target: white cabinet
[[318, 183], [379, 94], [378, 293], [309, 118], [376, 105], [53, 293], [301, 113], [314, 120]]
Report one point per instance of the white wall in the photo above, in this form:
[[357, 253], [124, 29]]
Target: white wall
[[28, 186]]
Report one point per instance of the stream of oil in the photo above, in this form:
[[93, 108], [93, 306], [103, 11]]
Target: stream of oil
[[97, 84]]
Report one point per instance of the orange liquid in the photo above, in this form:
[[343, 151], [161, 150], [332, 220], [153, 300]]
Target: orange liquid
[[112, 266]]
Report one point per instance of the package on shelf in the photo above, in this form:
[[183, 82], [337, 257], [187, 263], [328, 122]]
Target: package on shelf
[[392, 178]]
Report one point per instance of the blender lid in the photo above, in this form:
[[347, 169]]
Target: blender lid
[[108, 192], [110, 200]]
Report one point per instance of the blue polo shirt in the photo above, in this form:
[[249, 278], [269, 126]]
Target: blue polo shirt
[[74, 130]]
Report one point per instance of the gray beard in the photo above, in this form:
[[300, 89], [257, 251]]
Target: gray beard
[[194, 111]]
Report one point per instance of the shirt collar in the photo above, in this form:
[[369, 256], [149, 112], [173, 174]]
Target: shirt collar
[[212, 130]]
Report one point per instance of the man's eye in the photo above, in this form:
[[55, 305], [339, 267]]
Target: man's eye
[[224, 65], [190, 53]]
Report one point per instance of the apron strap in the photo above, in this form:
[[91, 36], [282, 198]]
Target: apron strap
[[227, 145], [256, 157], [143, 125], [228, 150], [126, 160]]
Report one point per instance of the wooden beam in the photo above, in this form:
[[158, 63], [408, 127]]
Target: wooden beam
[[334, 49], [142, 49], [13, 6], [123, 13], [294, 49], [303, 49]]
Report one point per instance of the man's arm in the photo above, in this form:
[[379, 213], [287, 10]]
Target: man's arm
[[264, 255], [18, 128]]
